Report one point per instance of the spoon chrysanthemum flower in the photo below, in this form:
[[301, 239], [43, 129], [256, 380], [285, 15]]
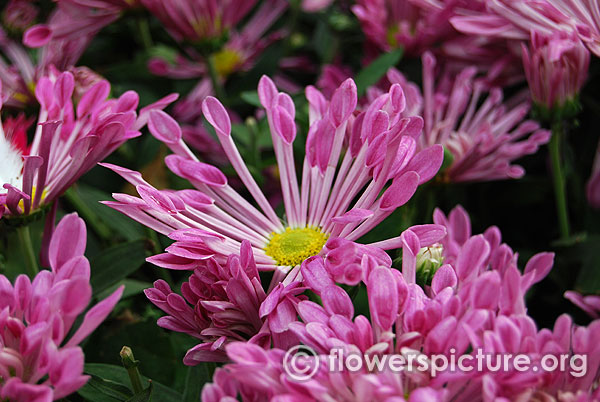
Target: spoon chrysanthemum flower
[[358, 168], [68, 141]]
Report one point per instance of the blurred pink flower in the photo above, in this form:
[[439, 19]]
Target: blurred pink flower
[[483, 134], [517, 19], [20, 71], [18, 15], [201, 19], [238, 53], [312, 6], [556, 68], [414, 25], [67, 142], [342, 202], [37, 361], [76, 19]]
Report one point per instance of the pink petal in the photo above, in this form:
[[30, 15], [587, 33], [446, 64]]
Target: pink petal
[[343, 102], [267, 91], [353, 216], [337, 301], [216, 115], [63, 88], [383, 298], [68, 241], [93, 98], [427, 162], [95, 316], [37, 36], [284, 124], [164, 127], [401, 190]]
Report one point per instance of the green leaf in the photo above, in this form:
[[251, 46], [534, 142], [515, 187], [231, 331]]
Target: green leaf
[[143, 396], [116, 263], [99, 389], [376, 70], [196, 377], [119, 223], [251, 97], [132, 287], [160, 392]]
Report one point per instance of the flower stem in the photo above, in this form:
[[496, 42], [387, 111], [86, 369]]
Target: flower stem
[[131, 365], [30, 257], [214, 78], [145, 36], [559, 179]]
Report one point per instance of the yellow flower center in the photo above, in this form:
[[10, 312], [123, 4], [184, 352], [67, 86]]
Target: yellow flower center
[[227, 61], [293, 246], [22, 204]]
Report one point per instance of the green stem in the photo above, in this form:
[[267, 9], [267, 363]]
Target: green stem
[[131, 365], [559, 180], [214, 78], [144, 32], [30, 257]]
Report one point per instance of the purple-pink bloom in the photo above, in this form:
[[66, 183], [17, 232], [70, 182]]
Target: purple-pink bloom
[[474, 302], [18, 15], [516, 20], [414, 25], [199, 20], [556, 68], [238, 53], [224, 303], [375, 149], [483, 133], [75, 20], [37, 360], [68, 141], [312, 6]]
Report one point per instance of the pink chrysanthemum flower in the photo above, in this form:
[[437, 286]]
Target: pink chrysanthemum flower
[[342, 191], [221, 303], [57, 50], [19, 73], [74, 20], [199, 20], [239, 53], [18, 15], [516, 19], [483, 134], [68, 141], [556, 68], [37, 361], [415, 25], [474, 301], [313, 6]]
